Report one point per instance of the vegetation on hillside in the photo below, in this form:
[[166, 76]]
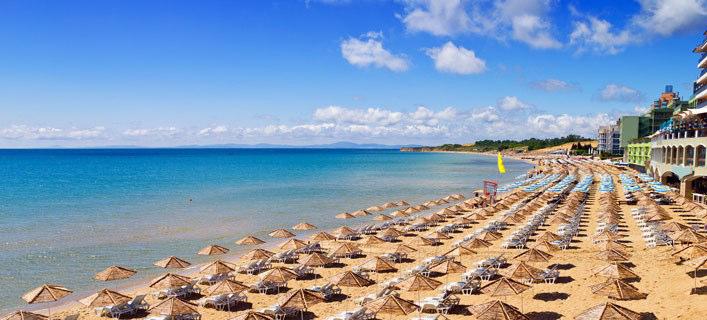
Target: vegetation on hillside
[[527, 144]]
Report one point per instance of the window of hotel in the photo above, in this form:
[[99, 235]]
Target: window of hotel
[[700, 156], [680, 157], [689, 156]]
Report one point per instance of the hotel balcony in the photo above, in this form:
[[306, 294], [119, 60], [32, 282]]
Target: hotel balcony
[[703, 61], [702, 79]]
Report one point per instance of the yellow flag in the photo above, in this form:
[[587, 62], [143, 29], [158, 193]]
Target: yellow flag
[[501, 167]]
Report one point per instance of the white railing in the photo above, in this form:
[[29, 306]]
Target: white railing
[[698, 198]]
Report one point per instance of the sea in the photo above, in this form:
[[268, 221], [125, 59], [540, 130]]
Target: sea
[[68, 214]]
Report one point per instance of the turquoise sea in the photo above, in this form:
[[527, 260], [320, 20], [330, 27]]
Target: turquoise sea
[[67, 214]]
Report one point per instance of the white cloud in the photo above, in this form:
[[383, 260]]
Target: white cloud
[[209, 131], [553, 85], [438, 17], [368, 51], [619, 93], [24, 132], [666, 17], [426, 116], [597, 35], [563, 124], [155, 132], [534, 31], [509, 103], [452, 59], [357, 116], [487, 114]]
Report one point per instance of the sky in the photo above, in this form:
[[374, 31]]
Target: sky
[[172, 73]]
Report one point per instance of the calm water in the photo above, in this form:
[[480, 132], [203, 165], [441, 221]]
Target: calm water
[[67, 214]]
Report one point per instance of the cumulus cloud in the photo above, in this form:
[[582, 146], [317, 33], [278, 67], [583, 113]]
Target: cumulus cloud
[[368, 50], [512, 103], [596, 35], [619, 93], [452, 59], [526, 21], [376, 116], [557, 125], [667, 17], [24, 132], [211, 131], [154, 132], [552, 85]]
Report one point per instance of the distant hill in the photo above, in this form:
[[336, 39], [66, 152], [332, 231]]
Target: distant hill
[[335, 145], [526, 145]]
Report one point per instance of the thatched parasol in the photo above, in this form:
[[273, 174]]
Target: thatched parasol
[[344, 215], [377, 264], [398, 214], [172, 262], [104, 298], [608, 311], [174, 307], [548, 236], [279, 275], [477, 216], [533, 255], [217, 267], [316, 259], [391, 305], [170, 281], [403, 248], [496, 310], [615, 271], [546, 246], [253, 315], [477, 243], [350, 279], [346, 249], [448, 266], [674, 227], [375, 209], [617, 289], [460, 252], [692, 252], [689, 236], [344, 231], [418, 282], [609, 245], [504, 287], [523, 271], [24, 315], [402, 203], [489, 236], [392, 232], [382, 217], [304, 226], [322, 236], [227, 286], [389, 205], [114, 273], [293, 244], [360, 213], [46, 293], [249, 240], [613, 255], [301, 299], [257, 254], [281, 233], [373, 240], [213, 249], [437, 236]]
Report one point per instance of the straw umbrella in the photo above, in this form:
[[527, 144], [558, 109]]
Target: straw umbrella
[[249, 240], [212, 250], [257, 254], [391, 305], [613, 255], [382, 217], [533, 255], [24, 315], [301, 299], [489, 236], [448, 266], [692, 252], [674, 227], [549, 236], [344, 215], [316, 259], [373, 240], [615, 271], [322, 236], [173, 308], [477, 243], [279, 275], [689, 236], [608, 311], [460, 252], [547, 246], [104, 298], [350, 279], [344, 231], [609, 245], [46, 293], [360, 213], [505, 287], [114, 273], [281, 233], [697, 264], [169, 281], [293, 244], [496, 310], [402, 203], [378, 265], [253, 315], [398, 214], [226, 286], [172, 262], [392, 232], [418, 283], [304, 226], [346, 249], [217, 267], [617, 289], [523, 271], [375, 209]]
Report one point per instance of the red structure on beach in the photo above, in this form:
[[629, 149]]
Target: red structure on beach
[[490, 188]]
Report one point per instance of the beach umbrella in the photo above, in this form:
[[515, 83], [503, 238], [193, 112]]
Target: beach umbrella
[[281, 233], [489, 236], [523, 271], [316, 259], [344, 215], [697, 264], [114, 273], [477, 217], [172, 262], [607, 236], [46, 293], [402, 203], [608, 311], [504, 287], [360, 213], [170, 281], [377, 265], [613, 245], [217, 267], [403, 248], [382, 217], [496, 310], [322, 236], [613, 255], [279, 275], [549, 236], [477, 243], [350, 279], [212, 250], [410, 210], [448, 266], [24, 315], [344, 231], [421, 207], [227, 286], [460, 252], [617, 289], [373, 240], [398, 214], [258, 254], [293, 244], [615, 271], [533, 255], [692, 252], [346, 249], [253, 315], [249, 240], [389, 205], [463, 221], [418, 282], [689, 236], [392, 232], [429, 241], [304, 226], [391, 305], [547, 246], [674, 227], [174, 307], [104, 298], [437, 236], [375, 209], [301, 299]]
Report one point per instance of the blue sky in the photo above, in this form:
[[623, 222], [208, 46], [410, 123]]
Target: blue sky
[[166, 73]]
